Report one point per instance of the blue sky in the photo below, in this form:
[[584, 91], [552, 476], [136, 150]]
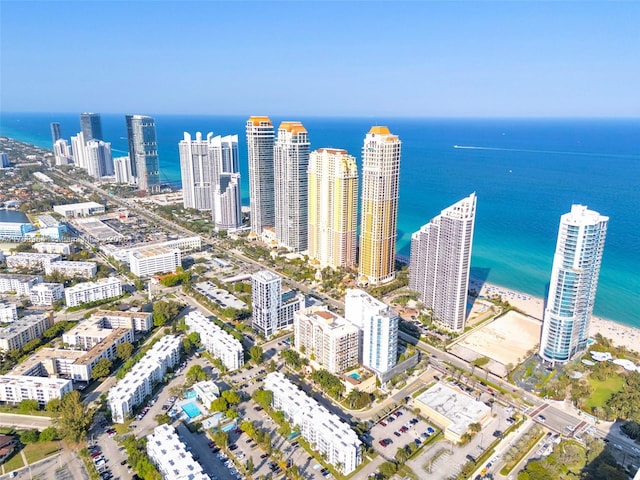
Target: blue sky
[[433, 59]]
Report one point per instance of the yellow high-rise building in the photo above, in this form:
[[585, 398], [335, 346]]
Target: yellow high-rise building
[[379, 206], [333, 207]]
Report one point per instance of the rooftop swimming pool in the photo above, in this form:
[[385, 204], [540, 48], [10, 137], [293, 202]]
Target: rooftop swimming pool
[[355, 376]]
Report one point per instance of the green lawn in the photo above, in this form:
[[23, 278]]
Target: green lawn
[[602, 391], [37, 451], [14, 462]]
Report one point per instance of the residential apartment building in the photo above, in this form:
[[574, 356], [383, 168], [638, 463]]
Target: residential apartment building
[[290, 164], [272, 309], [196, 168], [93, 331], [46, 294], [8, 312], [218, 342], [62, 152], [56, 132], [91, 126], [379, 206], [169, 454], [333, 207], [138, 321], [31, 260], [98, 159], [15, 388], [227, 205], [53, 247], [122, 170], [324, 431], [260, 140], [138, 383], [378, 324], [326, 338], [23, 330], [574, 280], [20, 284], [143, 152], [441, 261], [72, 269], [150, 260], [92, 291], [184, 244]]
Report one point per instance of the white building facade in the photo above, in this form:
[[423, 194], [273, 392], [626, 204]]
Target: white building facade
[[23, 330], [87, 292], [15, 388], [148, 261], [20, 284], [72, 269], [324, 431], [46, 294], [272, 311], [169, 454], [260, 140], [574, 280], [218, 342], [441, 261]]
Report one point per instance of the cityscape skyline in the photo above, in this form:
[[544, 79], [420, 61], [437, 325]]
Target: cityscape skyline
[[453, 59]]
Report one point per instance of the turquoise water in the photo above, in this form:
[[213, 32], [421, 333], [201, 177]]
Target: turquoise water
[[355, 376], [526, 173], [191, 409], [190, 394]]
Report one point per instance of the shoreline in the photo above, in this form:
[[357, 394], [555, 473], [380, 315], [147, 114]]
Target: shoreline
[[620, 334]]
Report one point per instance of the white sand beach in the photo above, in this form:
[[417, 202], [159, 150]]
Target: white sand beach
[[621, 335]]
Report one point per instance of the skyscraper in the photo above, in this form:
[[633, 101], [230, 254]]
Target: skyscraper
[[122, 170], [62, 152], [441, 260], [56, 133], [290, 163], [227, 206], [91, 126], [99, 159], [333, 207], [574, 279], [77, 149], [379, 206], [143, 152], [197, 172], [260, 138], [378, 324]]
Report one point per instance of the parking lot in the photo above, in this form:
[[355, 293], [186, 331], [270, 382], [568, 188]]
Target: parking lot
[[398, 430]]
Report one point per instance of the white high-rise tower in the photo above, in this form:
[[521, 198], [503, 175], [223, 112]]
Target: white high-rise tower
[[441, 260], [260, 138], [196, 171], [574, 279]]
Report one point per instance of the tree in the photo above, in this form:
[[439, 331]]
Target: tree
[[101, 369], [475, 427], [124, 350], [231, 413], [48, 435], [256, 353], [249, 465], [53, 405], [28, 406], [219, 405], [263, 398], [162, 418], [195, 374], [402, 455], [388, 469], [29, 436], [231, 396], [221, 438], [272, 366], [73, 419]]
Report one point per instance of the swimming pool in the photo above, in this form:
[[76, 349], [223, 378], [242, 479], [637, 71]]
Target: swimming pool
[[355, 376], [190, 394], [191, 409]]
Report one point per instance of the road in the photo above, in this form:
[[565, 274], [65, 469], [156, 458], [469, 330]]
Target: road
[[24, 421]]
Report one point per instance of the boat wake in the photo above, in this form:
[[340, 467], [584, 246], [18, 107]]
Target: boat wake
[[554, 152]]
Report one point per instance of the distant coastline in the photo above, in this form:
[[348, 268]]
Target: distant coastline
[[532, 173]]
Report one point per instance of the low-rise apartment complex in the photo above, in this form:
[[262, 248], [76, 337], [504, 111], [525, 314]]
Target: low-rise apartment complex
[[92, 291], [23, 330], [171, 457], [138, 383], [217, 341], [20, 284], [154, 259], [32, 260], [15, 388], [72, 269], [46, 294], [324, 431]]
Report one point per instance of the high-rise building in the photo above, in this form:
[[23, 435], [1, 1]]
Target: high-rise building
[[260, 138], [56, 133], [4, 160], [273, 309], [143, 152], [574, 279], [378, 325], [91, 126], [290, 164], [99, 159], [62, 152], [441, 261], [227, 202], [77, 148], [379, 206], [122, 170], [196, 169], [333, 207]]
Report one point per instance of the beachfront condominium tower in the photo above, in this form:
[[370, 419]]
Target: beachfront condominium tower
[[333, 207], [226, 199], [379, 206], [196, 170], [574, 279], [441, 260], [56, 133], [378, 325], [290, 164], [99, 159], [91, 126], [143, 152], [260, 138]]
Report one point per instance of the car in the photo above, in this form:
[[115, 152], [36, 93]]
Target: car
[[212, 444], [123, 462], [248, 440], [403, 429], [414, 421], [382, 443], [397, 434], [497, 433], [233, 447], [95, 454], [391, 419], [398, 413], [309, 458], [264, 455], [541, 418], [430, 430], [215, 449], [383, 424]]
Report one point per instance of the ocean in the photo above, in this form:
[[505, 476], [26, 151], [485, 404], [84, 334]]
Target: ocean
[[525, 172]]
